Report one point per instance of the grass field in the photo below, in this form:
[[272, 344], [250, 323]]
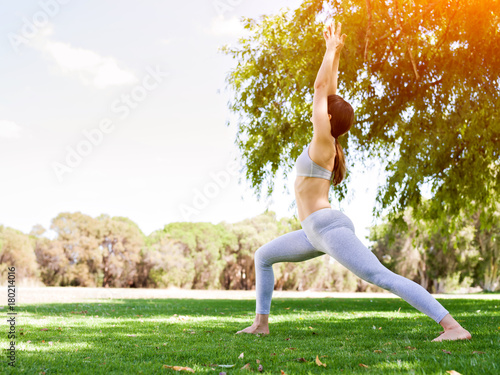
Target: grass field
[[346, 335]]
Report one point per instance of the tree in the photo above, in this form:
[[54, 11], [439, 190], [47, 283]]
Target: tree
[[91, 251], [120, 244], [203, 246], [17, 250], [428, 253], [487, 240], [165, 262], [423, 78]]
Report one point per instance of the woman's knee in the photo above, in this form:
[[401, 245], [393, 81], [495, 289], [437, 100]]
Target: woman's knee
[[261, 256]]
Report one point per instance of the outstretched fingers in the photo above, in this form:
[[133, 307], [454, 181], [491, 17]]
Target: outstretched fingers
[[337, 33]]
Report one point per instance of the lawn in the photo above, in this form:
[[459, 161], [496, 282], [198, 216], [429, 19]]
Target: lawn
[[308, 336]]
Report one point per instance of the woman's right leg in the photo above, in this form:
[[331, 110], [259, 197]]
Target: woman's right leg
[[290, 247]]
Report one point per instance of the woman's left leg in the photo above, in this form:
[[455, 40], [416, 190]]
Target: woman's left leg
[[342, 244]]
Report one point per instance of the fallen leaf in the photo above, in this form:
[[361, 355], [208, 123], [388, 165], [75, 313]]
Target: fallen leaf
[[179, 368], [311, 327], [287, 308], [318, 362], [446, 351], [411, 348], [241, 356], [227, 366], [287, 339], [453, 372], [291, 348], [246, 367], [257, 361], [283, 372], [43, 340], [44, 329], [363, 365], [377, 351], [476, 352], [301, 359]]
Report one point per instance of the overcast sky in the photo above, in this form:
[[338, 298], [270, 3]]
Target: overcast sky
[[120, 107]]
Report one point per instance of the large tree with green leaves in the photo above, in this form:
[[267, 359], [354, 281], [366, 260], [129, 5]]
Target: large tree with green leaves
[[422, 76], [89, 251]]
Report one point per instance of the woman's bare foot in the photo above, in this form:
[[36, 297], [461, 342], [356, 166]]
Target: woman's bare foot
[[255, 329], [260, 325], [457, 333], [452, 330]]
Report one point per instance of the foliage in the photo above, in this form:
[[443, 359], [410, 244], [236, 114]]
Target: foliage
[[105, 251], [428, 253], [90, 251], [16, 250], [422, 77]]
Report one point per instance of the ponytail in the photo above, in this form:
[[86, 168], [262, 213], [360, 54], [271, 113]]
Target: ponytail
[[341, 120], [339, 168]]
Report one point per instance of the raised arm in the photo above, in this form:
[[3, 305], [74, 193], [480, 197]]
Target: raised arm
[[328, 72], [326, 82]]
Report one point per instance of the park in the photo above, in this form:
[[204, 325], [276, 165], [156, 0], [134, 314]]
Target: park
[[231, 187]]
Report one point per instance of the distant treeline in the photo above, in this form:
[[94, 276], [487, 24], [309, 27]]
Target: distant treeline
[[113, 252]]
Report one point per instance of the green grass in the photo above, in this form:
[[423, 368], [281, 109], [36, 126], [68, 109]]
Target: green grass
[[92, 338]]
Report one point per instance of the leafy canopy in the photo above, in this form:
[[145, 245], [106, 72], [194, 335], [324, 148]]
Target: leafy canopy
[[422, 76]]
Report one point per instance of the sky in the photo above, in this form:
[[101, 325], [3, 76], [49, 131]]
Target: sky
[[120, 108]]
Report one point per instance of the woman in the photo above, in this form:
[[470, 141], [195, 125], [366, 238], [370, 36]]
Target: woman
[[328, 231]]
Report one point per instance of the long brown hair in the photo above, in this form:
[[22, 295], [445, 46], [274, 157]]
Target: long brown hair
[[342, 119]]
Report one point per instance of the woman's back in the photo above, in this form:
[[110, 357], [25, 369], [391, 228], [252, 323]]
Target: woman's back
[[311, 193]]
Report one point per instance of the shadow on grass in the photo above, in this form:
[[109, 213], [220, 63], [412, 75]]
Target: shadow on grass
[[134, 336]]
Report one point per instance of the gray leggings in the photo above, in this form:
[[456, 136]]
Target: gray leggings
[[329, 231]]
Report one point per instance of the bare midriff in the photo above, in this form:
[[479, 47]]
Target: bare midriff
[[311, 194]]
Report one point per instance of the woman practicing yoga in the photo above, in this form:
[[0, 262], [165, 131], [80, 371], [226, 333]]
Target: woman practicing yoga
[[325, 230]]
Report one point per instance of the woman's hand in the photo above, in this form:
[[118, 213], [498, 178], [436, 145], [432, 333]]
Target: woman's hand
[[333, 39]]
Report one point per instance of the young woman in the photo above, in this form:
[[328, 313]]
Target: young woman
[[325, 230]]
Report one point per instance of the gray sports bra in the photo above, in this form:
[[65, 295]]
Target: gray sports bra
[[308, 168]]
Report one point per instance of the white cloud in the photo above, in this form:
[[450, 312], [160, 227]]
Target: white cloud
[[9, 129], [222, 26], [90, 67]]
